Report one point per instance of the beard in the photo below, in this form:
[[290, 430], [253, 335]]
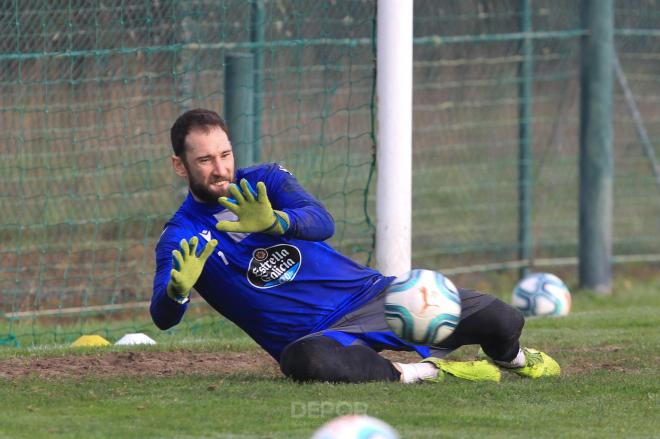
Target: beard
[[205, 192]]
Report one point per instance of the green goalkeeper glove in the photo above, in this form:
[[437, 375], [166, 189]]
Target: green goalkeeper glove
[[254, 214], [187, 268]]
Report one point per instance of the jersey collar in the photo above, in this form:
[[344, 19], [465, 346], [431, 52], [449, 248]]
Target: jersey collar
[[191, 204]]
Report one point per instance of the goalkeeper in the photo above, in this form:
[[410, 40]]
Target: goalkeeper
[[250, 241]]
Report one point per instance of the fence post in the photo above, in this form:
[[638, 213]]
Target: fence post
[[525, 140], [239, 105], [186, 57], [257, 31], [596, 163]]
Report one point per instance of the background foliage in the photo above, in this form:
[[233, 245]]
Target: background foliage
[[91, 87]]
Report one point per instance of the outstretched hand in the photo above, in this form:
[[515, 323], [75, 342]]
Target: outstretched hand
[[187, 267], [254, 214]]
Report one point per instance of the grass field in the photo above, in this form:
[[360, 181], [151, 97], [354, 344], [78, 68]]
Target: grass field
[[609, 349]]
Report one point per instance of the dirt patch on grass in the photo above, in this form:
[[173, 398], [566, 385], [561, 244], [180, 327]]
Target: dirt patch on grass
[[253, 362], [582, 367], [613, 358], [146, 363], [151, 364]]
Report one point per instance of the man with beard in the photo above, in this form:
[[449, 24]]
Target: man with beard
[[265, 267]]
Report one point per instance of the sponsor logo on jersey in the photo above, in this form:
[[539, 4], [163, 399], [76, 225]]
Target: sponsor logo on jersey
[[274, 265]]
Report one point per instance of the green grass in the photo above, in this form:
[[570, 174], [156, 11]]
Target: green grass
[[599, 404], [609, 349]]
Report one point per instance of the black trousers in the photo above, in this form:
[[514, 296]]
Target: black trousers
[[496, 327]]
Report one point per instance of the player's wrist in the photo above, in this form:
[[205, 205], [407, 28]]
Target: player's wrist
[[280, 223], [174, 295]]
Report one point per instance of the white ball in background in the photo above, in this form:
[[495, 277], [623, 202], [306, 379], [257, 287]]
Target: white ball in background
[[542, 294]]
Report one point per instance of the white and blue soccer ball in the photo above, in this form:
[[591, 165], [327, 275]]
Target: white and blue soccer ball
[[542, 294], [422, 307], [355, 427]]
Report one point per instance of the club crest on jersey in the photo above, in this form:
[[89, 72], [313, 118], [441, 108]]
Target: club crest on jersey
[[274, 265]]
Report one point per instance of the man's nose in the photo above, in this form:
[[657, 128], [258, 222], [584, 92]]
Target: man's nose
[[217, 166]]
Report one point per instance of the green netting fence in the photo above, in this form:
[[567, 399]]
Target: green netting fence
[[89, 89]]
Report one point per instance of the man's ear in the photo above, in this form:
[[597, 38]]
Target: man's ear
[[179, 167]]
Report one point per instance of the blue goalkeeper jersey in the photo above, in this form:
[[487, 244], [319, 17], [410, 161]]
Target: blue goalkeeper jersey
[[276, 288]]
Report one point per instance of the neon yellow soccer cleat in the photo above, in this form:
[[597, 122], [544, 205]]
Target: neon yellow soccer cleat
[[468, 370], [539, 364]]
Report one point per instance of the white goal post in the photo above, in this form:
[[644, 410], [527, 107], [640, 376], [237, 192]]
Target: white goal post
[[394, 151]]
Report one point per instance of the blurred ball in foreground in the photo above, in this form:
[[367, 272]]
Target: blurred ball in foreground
[[355, 427]]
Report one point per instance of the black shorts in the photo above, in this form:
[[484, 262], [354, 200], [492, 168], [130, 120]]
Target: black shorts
[[367, 326]]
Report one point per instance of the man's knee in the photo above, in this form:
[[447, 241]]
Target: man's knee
[[504, 325], [325, 359], [306, 359], [509, 322]]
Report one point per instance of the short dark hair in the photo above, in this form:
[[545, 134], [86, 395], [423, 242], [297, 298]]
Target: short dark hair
[[197, 119]]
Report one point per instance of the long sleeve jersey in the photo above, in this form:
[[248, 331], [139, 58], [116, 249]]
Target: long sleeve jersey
[[275, 288]]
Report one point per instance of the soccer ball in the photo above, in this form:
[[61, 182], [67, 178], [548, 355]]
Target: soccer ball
[[542, 294], [355, 427], [422, 307]]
